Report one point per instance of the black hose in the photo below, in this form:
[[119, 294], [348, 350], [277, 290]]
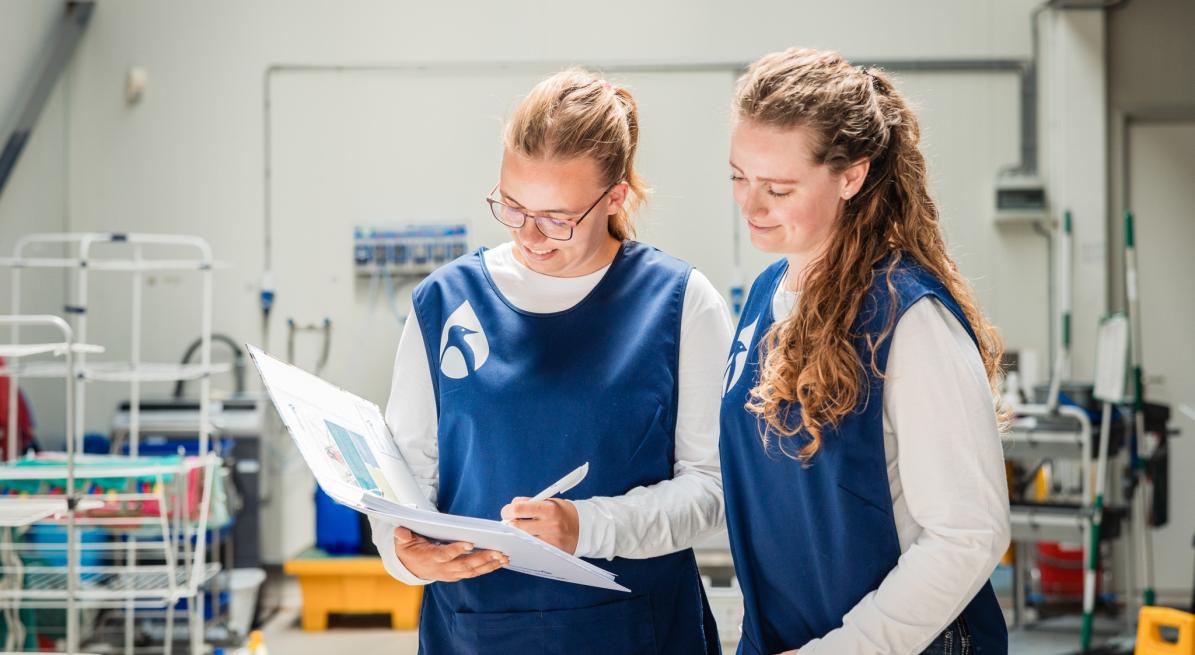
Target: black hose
[[238, 362]]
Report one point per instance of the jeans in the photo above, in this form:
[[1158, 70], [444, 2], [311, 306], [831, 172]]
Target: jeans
[[954, 640]]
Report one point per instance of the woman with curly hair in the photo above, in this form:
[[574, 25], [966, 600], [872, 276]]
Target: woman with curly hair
[[861, 459]]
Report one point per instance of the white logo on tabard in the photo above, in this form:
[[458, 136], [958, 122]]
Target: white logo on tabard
[[463, 344], [738, 357]]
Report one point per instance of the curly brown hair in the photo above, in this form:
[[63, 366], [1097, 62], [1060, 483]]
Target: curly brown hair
[[851, 114]]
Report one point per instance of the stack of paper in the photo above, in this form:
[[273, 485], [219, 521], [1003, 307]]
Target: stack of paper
[[346, 443]]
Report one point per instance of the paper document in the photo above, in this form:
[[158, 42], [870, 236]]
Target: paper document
[[346, 443]]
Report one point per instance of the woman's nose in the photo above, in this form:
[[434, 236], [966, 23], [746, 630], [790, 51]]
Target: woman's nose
[[530, 233], [750, 207]]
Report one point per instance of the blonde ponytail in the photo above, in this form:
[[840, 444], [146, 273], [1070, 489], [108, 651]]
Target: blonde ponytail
[[574, 113]]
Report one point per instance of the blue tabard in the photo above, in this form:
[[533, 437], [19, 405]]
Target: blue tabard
[[524, 398], [810, 542]]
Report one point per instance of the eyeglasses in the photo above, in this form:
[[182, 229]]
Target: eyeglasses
[[557, 229]]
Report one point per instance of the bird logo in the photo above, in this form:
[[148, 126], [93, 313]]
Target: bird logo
[[464, 347], [738, 357]]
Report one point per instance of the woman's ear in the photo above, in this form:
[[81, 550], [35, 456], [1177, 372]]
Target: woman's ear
[[853, 177], [616, 197]]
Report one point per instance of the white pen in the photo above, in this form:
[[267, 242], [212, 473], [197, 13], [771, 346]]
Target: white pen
[[562, 485]]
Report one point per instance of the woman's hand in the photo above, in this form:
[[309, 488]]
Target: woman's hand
[[554, 521], [444, 562]]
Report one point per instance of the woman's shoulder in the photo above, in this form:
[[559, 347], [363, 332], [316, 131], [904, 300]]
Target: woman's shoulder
[[901, 278], [906, 269], [900, 284], [702, 298], [648, 254]]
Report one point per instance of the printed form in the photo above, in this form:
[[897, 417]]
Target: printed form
[[348, 447]]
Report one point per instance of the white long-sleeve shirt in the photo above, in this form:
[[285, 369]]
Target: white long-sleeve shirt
[[646, 521], [946, 476]]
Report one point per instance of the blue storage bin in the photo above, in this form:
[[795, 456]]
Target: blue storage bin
[[156, 445], [56, 535], [337, 529]]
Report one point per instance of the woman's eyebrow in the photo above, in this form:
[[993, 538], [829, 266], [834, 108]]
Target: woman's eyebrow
[[538, 211], [509, 197], [771, 180]]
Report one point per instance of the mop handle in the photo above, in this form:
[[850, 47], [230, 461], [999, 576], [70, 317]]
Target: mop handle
[[1135, 354]]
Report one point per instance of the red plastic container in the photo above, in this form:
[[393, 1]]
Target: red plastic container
[[1061, 569]]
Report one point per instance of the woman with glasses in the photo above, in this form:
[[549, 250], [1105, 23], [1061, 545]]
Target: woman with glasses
[[568, 344], [865, 488]]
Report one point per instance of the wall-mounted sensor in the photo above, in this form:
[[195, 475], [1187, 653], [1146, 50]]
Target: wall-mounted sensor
[[134, 85]]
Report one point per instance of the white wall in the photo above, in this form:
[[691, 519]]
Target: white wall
[[339, 140], [189, 158], [34, 199], [1154, 86], [33, 196], [1075, 163], [1162, 157]]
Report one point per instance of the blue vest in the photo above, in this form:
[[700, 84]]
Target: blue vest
[[524, 398], [810, 542]]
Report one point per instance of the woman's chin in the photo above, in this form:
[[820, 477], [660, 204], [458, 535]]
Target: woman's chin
[[768, 243]]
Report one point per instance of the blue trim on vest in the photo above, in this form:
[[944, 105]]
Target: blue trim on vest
[[547, 392], [809, 542]]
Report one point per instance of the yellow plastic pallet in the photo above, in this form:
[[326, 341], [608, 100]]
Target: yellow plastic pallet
[[352, 585]]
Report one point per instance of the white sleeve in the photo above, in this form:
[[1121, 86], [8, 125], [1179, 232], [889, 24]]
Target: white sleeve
[[951, 467], [412, 418], [670, 515]]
